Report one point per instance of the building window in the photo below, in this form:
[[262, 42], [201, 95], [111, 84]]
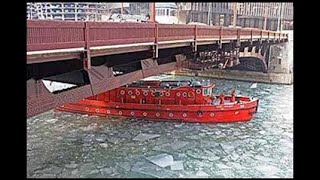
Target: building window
[[279, 61], [173, 13]]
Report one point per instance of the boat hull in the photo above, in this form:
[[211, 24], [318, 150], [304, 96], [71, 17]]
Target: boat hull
[[184, 113]]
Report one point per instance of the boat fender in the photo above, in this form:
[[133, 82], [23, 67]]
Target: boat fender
[[191, 94]]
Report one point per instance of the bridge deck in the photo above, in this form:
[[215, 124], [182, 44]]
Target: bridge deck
[[59, 40]]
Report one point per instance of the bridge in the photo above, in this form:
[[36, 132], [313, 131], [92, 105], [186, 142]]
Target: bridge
[[98, 56]]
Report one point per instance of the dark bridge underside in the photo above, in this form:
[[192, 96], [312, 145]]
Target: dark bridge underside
[[111, 71], [107, 72], [250, 64]]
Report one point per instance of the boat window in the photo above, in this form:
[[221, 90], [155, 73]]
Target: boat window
[[207, 91]]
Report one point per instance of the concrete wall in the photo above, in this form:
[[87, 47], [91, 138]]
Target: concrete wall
[[277, 78], [281, 57]]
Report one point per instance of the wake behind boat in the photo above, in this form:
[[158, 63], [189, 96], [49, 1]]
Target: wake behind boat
[[186, 101]]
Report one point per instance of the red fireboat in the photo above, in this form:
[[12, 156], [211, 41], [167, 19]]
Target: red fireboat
[[184, 101]]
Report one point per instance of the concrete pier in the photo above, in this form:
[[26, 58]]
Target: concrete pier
[[276, 78]]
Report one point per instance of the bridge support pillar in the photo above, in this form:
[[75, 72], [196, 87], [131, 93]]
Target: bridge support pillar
[[194, 46], [87, 54], [155, 51], [86, 57]]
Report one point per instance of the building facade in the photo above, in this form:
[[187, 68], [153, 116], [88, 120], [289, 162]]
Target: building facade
[[270, 16], [219, 14], [67, 11]]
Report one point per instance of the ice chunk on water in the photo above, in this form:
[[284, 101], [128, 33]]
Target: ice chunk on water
[[162, 160], [125, 165], [179, 144], [152, 170], [104, 145], [144, 137], [202, 174], [101, 138], [267, 170], [177, 165], [52, 120], [254, 85]]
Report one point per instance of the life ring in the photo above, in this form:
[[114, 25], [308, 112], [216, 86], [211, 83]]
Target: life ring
[[145, 114], [198, 91], [184, 94], [122, 92], [211, 114], [97, 110], [152, 93], [130, 92], [158, 114], [145, 93], [170, 114], [108, 111], [191, 94], [120, 112], [137, 93], [237, 112], [184, 115], [132, 113], [167, 93], [161, 94], [178, 94], [87, 109]]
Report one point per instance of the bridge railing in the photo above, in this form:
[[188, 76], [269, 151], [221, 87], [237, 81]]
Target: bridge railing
[[167, 32], [207, 32], [50, 35], [110, 33], [229, 33]]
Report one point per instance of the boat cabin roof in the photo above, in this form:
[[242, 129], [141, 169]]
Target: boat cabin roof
[[171, 84]]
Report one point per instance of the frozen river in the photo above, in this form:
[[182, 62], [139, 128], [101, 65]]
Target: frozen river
[[61, 144]]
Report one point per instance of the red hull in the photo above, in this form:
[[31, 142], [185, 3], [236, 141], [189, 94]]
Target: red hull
[[242, 110]]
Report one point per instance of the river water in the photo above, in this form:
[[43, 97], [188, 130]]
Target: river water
[[61, 144]]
